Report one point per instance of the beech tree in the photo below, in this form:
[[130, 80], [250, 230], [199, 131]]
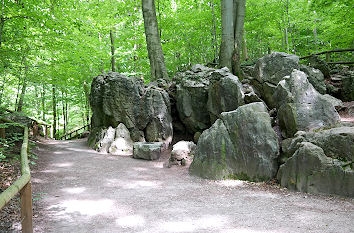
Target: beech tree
[[232, 23], [157, 62]]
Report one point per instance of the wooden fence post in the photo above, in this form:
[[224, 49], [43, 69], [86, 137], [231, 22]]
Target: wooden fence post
[[3, 133], [26, 208], [328, 57]]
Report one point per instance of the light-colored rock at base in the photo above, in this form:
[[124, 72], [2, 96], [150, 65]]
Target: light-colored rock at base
[[147, 150], [122, 144], [181, 153], [107, 137]]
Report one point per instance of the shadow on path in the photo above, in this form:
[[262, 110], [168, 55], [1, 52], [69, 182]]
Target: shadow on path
[[79, 190]]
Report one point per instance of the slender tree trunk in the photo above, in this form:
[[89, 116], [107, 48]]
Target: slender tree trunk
[[157, 62], [2, 23], [113, 60], [64, 111], [239, 18], [2, 88], [215, 39], [23, 91], [227, 37], [244, 48], [290, 30], [315, 31], [43, 102], [87, 105], [54, 105]]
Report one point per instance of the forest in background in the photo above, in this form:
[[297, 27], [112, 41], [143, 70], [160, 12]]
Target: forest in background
[[50, 50]]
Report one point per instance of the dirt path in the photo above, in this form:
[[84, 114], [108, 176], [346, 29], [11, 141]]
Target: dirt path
[[78, 190]]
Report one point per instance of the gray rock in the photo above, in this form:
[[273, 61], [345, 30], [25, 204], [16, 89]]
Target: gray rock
[[241, 144], [337, 103], [122, 144], [310, 170], [192, 98], [315, 77], [301, 107], [181, 153], [117, 99], [105, 141], [147, 150], [255, 141], [213, 153], [225, 93], [321, 65], [271, 69], [337, 143], [347, 92], [159, 129]]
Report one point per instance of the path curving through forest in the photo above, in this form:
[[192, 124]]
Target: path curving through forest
[[79, 190]]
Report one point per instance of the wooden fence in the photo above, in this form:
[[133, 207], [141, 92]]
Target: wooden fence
[[22, 186], [75, 133], [328, 56]]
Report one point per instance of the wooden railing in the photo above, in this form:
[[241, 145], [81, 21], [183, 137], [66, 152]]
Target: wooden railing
[[22, 186], [328, 55], [74, 133]]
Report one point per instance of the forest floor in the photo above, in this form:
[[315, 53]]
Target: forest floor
[[77, 190]]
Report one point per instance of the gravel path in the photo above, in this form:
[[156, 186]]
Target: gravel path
[[78, 190]]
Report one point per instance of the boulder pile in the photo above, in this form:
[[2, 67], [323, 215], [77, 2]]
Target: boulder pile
[[279, 123]]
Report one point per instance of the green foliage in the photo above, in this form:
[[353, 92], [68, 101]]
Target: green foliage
[[63, 44]]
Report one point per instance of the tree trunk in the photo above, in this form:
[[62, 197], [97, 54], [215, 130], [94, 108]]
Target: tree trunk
[[113, 60], [2, 22], [23, 91], [215, 39], [87, 104], [64, 110], [239, 18], [43, 102], [227, 35], [54, 113], [244, 48], [157, 63], [290, 30], [2, 88]]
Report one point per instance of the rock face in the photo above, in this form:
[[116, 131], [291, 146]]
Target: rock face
[[122, 144], [301, 107], [145, 111], [192, 98], [315, 77], [147, 150], [203, 93], [320, 162], [225, 93], [269, 71], [181, 153], [241, 144]]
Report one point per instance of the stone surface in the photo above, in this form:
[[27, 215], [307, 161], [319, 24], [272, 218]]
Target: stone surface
[[147, 150], [203, 93], [271, 69], [181, 153], [105, 139], [192, 98], [242, 144], [225, 93], [117, 99], [321, 65], [315, 77], [310, 170], [301, 107], [122, 144], [337, 143]]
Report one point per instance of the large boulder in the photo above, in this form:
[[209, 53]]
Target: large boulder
[[192, 98], [225, 93], [122, 144], [147, 150], [240, 144], [337, 143], [301, 107], [315, 77], [117, 99], [310, 170], [203, 93], [269, 71]]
